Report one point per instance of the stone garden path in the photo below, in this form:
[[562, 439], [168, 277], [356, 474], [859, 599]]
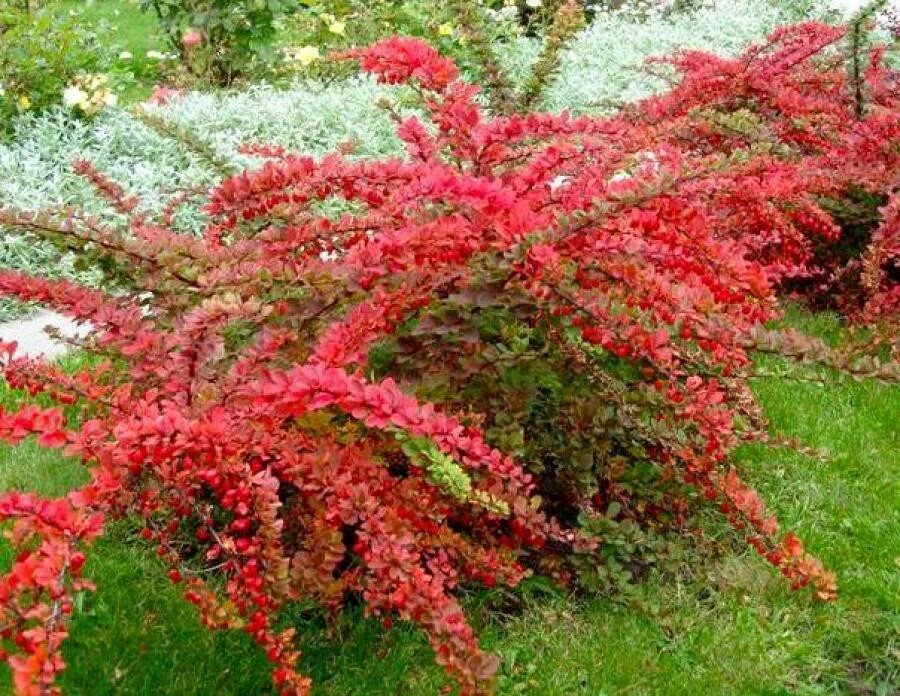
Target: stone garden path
[[33, 340]]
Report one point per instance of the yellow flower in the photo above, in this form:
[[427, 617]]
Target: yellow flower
[[338, 27], [308, 55], [24, 102], [445, 29]]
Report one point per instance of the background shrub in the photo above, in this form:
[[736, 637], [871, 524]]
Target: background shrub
[[41, 51], [330, 26], [221, 40]]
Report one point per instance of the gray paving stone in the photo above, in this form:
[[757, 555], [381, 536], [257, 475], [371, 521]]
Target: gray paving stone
[[33, 340]]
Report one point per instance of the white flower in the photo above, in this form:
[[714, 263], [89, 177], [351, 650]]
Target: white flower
[[2, 89], [558, 181], [110, 99], [156, 55], [74, 96], [504, 14], [534, 4], [126, 55]]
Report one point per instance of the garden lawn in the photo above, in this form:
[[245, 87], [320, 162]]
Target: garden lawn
[[732, 627]]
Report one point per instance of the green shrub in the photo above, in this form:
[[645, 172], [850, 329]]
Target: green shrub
[[322, 26], [221, 40], [41, 51]]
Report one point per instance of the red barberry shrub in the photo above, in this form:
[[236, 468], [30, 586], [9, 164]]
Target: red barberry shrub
[[833, 143], [529, 335], [881, 264]]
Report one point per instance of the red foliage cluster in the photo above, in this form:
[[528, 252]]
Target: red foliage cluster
[[35, 595], [881, 268], [798, 105], [234, 414]]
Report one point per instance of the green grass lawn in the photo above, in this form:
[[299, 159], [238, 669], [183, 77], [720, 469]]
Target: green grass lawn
[[732, 628]]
